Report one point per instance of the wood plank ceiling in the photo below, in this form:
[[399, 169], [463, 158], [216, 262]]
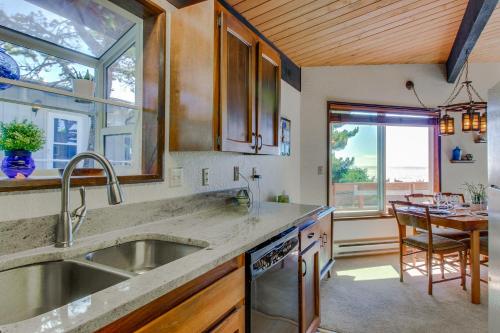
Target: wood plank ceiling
[[357, 32]]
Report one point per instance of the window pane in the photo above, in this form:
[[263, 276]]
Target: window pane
[[407, 161], [62, 154], [118, 149], [121, 78], [41, 68], [65, 131], [84, 26], [354, 168]]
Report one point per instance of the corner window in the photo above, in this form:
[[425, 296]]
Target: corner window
[[81, 81]]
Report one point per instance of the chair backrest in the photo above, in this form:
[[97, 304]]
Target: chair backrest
[[419, 197], [449, 194], [412, 215]]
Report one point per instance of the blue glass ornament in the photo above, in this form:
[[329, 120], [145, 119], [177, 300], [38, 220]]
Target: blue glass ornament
[[8, 69]]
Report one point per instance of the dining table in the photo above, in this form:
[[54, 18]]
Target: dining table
[[464, 219]]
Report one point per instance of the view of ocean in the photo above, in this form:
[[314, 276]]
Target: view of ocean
[[404, 174]]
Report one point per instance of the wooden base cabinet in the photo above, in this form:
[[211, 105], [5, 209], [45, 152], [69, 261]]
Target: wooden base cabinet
[[225, 84], [309, 277], [213, 302], [326, 245]]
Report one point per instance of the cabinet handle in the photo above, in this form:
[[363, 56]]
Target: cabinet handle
[[253, 137], [325, 238], [259, 137], [310, 235], [304, 271]]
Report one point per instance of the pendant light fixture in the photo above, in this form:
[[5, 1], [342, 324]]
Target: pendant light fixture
[[472, 121]]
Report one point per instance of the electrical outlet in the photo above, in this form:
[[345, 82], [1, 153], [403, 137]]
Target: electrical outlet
[[176, 177], [204, 176], [236, 176], [320, 170]]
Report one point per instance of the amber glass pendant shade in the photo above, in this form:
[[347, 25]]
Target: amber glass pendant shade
[[467, 121], [443, 126], [476, 116], [483, 123], [450, 125], [446, 125]]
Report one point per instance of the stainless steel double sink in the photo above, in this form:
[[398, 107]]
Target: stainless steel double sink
[[29, 291]]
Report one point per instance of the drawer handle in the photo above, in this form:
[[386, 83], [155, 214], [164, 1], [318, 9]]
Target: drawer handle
[[310, 235]]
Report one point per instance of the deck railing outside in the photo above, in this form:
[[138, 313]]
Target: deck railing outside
[[361, 196]]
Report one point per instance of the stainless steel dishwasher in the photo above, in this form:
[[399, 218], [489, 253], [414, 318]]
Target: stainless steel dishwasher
[[273, 285]]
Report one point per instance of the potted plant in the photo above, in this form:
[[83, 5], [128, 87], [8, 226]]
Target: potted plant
[[18, 140], [477, 194], [83, 84]]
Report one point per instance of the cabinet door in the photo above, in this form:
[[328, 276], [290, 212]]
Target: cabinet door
[[326, 244], [237, 86], [309, 276], [268, 92]]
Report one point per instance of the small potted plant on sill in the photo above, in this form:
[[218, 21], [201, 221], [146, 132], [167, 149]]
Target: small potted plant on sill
[[18, 140], [83, 84], [477, 194]]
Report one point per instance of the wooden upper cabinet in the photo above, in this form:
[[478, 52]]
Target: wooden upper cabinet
[[268, 108], [237, 85], [225, 84]]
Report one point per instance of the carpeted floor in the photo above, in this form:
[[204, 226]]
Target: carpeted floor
[[364, 295]]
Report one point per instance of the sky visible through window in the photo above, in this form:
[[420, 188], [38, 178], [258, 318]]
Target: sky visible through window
[[83, 26], [407, 151]]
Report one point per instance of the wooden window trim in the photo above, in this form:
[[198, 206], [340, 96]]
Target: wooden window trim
[[153, 108], [380, 119]]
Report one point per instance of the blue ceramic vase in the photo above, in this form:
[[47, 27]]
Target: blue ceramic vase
[[457, 154], [17, 162], [8, 68]]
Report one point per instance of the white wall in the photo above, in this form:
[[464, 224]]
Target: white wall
[[383, 85], [278, 173]]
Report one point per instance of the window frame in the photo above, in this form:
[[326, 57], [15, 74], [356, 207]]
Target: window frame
[[152, 137], [352, 113]]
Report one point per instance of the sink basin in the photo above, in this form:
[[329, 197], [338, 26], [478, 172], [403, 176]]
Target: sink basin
[[29, 291], [142, 255]]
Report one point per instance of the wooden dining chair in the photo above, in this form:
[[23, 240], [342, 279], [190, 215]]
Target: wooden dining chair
[[444, 232], [449, 194], [483, 250], [419, 197], [416, 215]]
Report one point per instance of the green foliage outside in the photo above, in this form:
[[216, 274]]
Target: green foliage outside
[[343, 169], [21, 136]]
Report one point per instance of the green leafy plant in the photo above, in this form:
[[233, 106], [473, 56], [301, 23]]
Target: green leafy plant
[[476, 192], [76, 75], [21, 136]]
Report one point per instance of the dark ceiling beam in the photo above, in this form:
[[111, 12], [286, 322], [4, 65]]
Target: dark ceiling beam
[[476, 16]]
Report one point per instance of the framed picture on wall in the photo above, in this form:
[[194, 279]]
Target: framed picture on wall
[[285, 128]]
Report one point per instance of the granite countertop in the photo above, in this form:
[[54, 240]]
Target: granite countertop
[[224, 232]]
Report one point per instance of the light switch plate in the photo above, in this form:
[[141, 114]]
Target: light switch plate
[[236, 176], [204, 176], [176, 177]]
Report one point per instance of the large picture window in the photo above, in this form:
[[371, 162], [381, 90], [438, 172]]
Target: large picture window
[[379, 156]]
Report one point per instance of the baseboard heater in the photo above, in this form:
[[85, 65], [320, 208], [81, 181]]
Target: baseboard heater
[[363, 247]]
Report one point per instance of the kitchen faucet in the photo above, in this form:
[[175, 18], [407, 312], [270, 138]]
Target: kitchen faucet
[[70, 222]]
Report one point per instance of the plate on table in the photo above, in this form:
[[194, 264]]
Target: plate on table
[[481, 213], [437, 211]]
